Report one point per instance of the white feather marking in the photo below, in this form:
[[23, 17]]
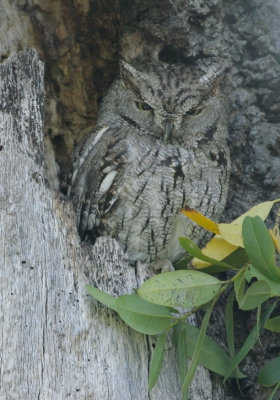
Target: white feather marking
[[111, 203], [99, 135], [87, 151], [91, 146], [73, 177], [107, 169], [107, 182]]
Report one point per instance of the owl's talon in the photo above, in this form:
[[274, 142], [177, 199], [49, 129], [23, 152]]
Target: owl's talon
[[163, 265]]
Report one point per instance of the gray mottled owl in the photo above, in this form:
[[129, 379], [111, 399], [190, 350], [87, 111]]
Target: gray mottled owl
[[159, 146]]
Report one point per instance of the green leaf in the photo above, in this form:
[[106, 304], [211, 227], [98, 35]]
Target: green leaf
[[143, 316], [270, 397], [213, 269], [257, 293], [239, 286], [230, 324], [103, 297], [236, 259], [273, 324], [270, 373], [157, 361], [182, 264], [176, 333], [180, 288], [197, 350], [259, 247], [259, 311], [251, 272], [192, 249], [212, 356], [249, 342], [183, 356]]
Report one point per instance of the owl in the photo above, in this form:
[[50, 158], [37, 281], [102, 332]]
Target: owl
[[159, 146]]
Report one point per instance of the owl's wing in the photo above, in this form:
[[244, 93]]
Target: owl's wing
[[98, 163]]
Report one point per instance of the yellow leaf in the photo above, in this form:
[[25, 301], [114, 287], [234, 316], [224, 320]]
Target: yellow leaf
[[230, 235], [201, 220], [275, 233], [262, 210], [232, 232], [276, 240], [217, 248]]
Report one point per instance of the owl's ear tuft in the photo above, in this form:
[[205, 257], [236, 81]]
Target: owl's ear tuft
[[214, 75], [131, 77]]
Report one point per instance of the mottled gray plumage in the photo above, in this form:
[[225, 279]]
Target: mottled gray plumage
[[159, 146]]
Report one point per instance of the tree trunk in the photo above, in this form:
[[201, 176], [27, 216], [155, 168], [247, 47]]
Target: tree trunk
[[56, 342]]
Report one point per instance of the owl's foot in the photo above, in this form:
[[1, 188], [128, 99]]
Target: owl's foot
[[162, 265]]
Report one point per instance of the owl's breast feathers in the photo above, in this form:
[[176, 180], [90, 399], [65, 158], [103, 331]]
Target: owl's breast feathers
[[129, 185]]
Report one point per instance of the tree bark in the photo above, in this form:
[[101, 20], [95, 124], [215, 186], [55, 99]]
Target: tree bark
[[56, 342]]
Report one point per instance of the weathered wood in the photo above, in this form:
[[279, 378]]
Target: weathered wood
[[56, 342]]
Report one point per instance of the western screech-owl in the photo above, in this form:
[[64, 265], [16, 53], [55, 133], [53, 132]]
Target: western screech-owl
[[159, 146]]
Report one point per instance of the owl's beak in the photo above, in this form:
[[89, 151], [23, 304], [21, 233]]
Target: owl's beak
[[169, 125]]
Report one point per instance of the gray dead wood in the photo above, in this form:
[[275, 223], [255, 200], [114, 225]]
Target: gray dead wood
[[55, 341]]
